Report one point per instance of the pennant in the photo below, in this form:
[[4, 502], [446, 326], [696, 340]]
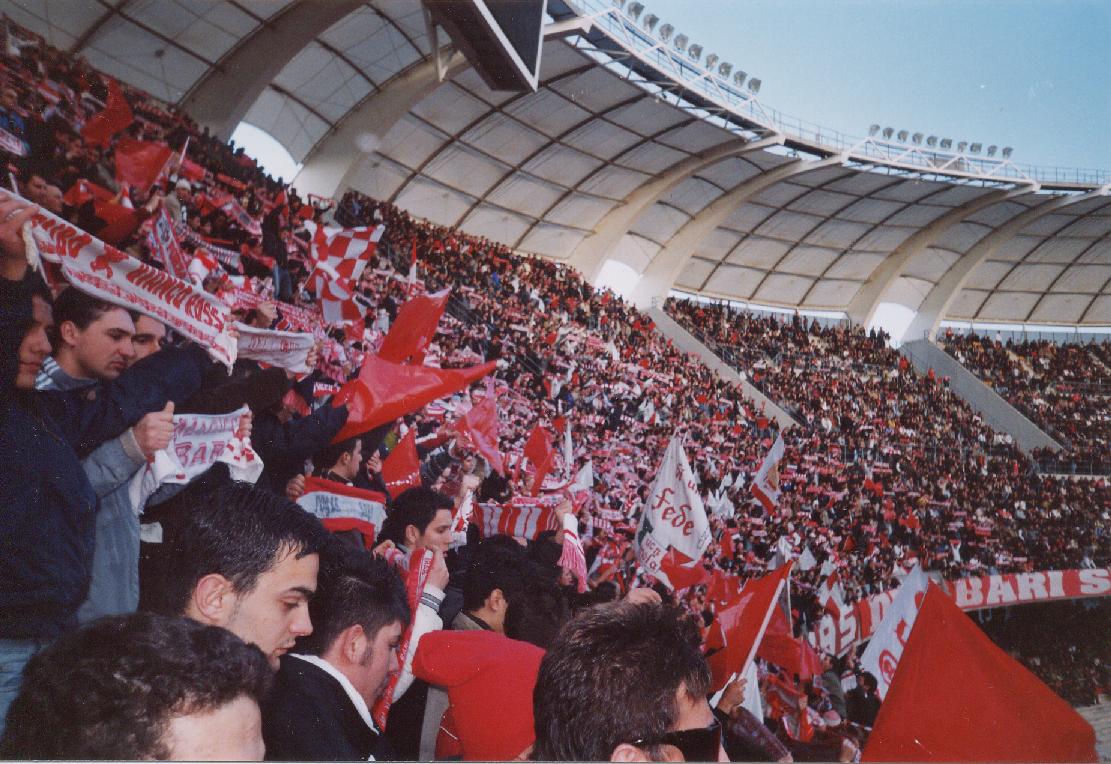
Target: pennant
[[116, 116], [83, 190], [461, 519], [343, 507], [414, 328], [740, 627], [401, 469], [885, 648], [139, 163], [673, 514], [765, 486], [164, 247], [959, 697], [522, 518], [385, 391]]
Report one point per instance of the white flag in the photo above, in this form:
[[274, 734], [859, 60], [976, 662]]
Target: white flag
[[765, 486], [673, 515], [881, 657], [806, 560]]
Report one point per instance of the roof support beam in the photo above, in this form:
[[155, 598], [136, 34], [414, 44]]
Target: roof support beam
[[226, 93], [331, 167], [669, 262], [591, 252], [870, 295], [937, 302]]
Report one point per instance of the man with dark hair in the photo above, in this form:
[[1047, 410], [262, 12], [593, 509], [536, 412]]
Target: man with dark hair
[[492, 579], [239, 557], [92, 338], [420, 518], [863, 701], [339, 461], [141, 686], [320, 708], [625, 682]]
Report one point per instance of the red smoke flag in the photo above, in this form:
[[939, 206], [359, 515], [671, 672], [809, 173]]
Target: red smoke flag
[[139, 163], [958, 697], [401, 469], [385, 391], [765, 486], [414, 328], [100, 128], [480, 424], [538, 450], [740, 628]]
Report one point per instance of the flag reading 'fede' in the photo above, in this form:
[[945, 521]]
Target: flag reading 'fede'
[[673, 514]]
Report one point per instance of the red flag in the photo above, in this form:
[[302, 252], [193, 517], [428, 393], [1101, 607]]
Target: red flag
[[414, 328], [481, 425], [539, 451], [385, 391], [191, 170], [742, 626], [139, 163], [958, 697], [401, 470], [723, 588], [679, 571], [100, 128], [781, 647], [119, 221], [83, 190]]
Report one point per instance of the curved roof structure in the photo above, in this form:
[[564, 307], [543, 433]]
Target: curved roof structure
[[629, 150]]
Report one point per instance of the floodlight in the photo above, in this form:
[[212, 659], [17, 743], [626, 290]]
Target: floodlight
[[975, 148], [711, 60], [931, 141], [694, 51], [650, 22], [665, 32], [888, 132], [946, 143], [916, 139], [739, 77], [873, 130], [725, 69], [902, 136], [992, 150], [962, 146], [635, 9], [1007, 152], [681, 41], [754, 86]]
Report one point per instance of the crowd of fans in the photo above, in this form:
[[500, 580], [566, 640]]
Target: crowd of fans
[[1065, 389], [504, 652]]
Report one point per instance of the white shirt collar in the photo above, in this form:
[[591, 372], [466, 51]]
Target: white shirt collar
[[345, 683]]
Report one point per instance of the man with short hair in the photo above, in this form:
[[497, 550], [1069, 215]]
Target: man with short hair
[[141, 686], [92, 339], [341, 461], [420, 518], [149, 337], [320, 709], [238, 557], [626, 682], [54, 200]]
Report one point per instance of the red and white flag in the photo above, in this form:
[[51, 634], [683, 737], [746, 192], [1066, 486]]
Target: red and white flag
[[831, 596], [401, 469], [461, 519], [163, 244], [881, 656], [673, 515], [738, 629], [342, 507], [340, 253], [765, 486]]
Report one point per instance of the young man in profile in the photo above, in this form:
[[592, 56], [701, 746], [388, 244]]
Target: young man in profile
[[320, 709]]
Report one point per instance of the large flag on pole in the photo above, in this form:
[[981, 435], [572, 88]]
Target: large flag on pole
[[673, 515], [765, 486], [885, 648], [958, 697], [412, 331]]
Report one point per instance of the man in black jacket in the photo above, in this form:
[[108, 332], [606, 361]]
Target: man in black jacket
[[320, 709]]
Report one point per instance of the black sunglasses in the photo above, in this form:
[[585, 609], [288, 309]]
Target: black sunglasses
[[699, 744]]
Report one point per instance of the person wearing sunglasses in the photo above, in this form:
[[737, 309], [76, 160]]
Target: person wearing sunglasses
[[625, 681]]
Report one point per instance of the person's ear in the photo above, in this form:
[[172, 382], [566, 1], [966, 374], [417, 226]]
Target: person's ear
[[628, 752], [353, 643], [412, 536], [68, 332], [495, 600], [212, 601]]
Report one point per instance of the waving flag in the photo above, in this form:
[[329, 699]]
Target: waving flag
[[480, 424], [673, 515], [538, 450], [401, 469], [116, 116], [765, 486], [139, 163], [340, 253], [737, 630], [414, 328], [885, 648]]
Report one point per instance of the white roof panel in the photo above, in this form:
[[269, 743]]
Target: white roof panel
[[694, 273], [495, 223], [692, 195], [783, 288], [552, 240], [854, 265], [635, 251], [1031, 277], [450, 108], [829, 293], [602, 139], [1083, 278], [967, 303], [427, 199], [548, 112], [660, 223], [580, 210], [1003, 305], [562, 165], [759, 252], [464, 169], [728, 279], [526, 195], [1060, 308], [504, 138]]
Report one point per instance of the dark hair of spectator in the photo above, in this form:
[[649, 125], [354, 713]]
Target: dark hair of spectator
[[109, 690], [611, 677], [232, 529], [494, 565], [326, 458], [353, 588], [537, 612], [79, 308], [416, 507]]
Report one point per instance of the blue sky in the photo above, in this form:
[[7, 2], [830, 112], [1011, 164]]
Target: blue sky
[[1032, 74]]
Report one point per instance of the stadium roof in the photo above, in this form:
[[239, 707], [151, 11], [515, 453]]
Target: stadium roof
[[628, 151]]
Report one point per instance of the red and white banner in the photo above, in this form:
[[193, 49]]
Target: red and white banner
[[522, 518], [233, 209], [673, 514], [198, 442], [286, 350], [229, 258], [342, 507], [12, 144], [420, 566], [162, 240], [884, 649], [105, 272], [858, 623], [765, 486]]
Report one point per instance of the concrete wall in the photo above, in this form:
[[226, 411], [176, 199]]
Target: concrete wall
[[997, 413], [687, 342]]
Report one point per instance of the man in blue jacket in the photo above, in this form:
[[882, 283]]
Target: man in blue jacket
[[47, 507]]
